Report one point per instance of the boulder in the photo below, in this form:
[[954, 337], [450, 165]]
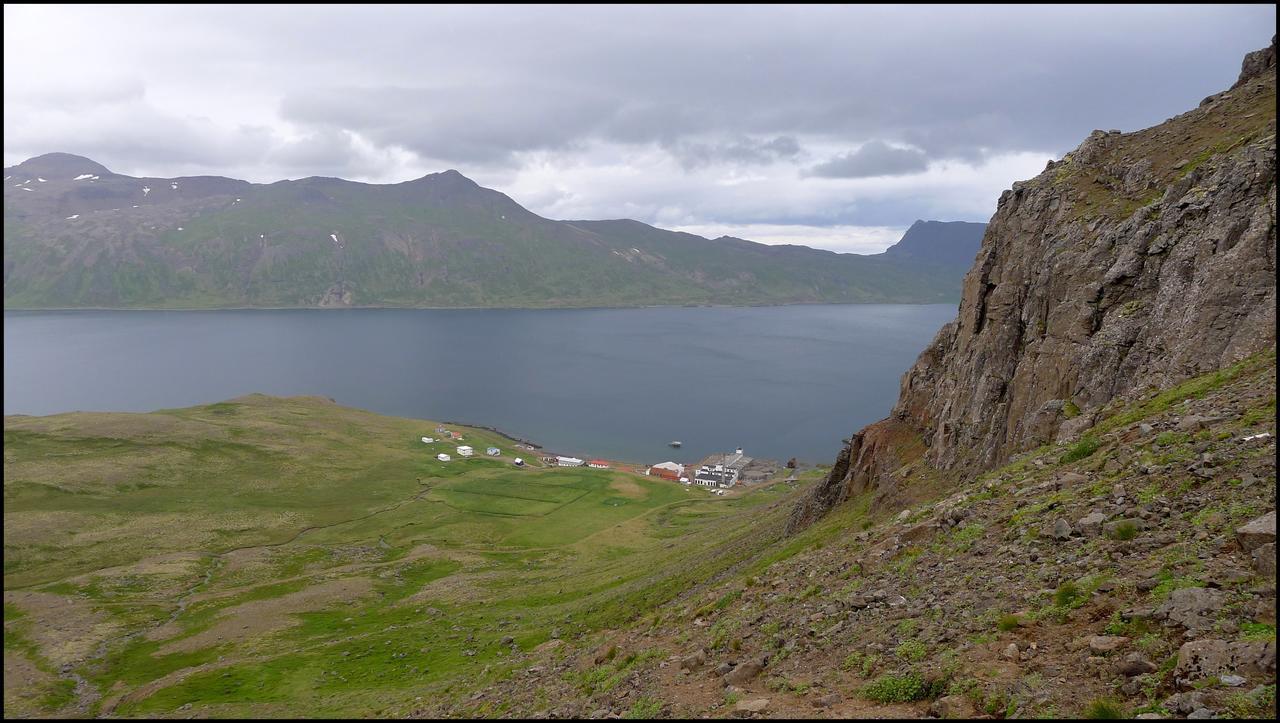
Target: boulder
[[693, 661], [827, 700], [744, 673], [953, 706], [1091, 524], [921, 531], [1200, 659], [1135, 664], [1258, 532], [1061, 530], [1193, 422], [756, 705], [1264, 560], [1106, 644], [1192, 607]]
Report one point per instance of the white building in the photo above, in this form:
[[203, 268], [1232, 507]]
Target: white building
[[519, 462], [465, 451], [568, 462], [443, 457], [715, 476], [427, 440], [493, 451]]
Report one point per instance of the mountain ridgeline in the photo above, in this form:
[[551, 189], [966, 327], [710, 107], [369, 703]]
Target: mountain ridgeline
[[78, 235], [1137, 261]]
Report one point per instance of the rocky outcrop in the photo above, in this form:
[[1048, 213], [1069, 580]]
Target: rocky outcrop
[[1257, 64], [1137, 261]]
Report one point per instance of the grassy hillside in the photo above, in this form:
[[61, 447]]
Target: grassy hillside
[[108, 240], [290, 557], [1106, 576]]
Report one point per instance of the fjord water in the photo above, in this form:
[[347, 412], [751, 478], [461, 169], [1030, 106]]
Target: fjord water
[[615, 383]]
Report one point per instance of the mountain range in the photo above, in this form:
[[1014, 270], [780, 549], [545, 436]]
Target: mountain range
[[77, 235]]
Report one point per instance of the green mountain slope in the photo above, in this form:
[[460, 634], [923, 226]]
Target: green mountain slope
[[77, 235]]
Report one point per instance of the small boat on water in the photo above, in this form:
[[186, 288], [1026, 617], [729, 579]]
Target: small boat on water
[[675, 443]]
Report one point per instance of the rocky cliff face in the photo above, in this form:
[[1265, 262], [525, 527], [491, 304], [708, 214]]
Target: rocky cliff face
[[1139, 260]]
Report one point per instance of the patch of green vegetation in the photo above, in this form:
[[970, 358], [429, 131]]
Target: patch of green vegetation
[[645, 708], [1258, 415], [906, 560], [1166, 439], [720, 604], [1087, 445], [903, 688], [1259, 703], [960, 540], [912, 651], [1257, 631], [603, 678], [1070, 410], [1124, 530], [1069, 595], [1104, 709], [1008, 622], [722, 631], [1190, 389], [786, 685]]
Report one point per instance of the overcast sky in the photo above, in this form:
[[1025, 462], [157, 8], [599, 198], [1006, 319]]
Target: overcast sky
[[830, 126]]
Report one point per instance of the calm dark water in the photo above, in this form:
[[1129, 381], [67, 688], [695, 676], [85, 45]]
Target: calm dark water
[[620, 383]]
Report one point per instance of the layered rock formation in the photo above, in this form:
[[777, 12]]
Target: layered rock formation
[[1138, 260]]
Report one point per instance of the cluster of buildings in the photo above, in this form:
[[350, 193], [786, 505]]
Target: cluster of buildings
[[464, 450], [717, 471]]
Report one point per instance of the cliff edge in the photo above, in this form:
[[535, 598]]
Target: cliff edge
[[1137, 261]]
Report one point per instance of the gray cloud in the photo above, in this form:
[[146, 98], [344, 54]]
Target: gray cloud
[[746, 151], [875, 158], [560, 103]]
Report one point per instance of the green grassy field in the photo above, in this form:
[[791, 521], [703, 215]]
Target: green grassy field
[[290, 557]]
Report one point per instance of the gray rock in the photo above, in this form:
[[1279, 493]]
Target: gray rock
[[1061, 530], [1257, 532], [827, 700], [756, 705], [1091, 524], [1184, 703], [744, 673], [1234, 681], [1106, 644], [1135, 664], [1264, 560], [1201, 714], [953, 706], [1193, 422], [1193, 608], [1201, 659], [693, 661]]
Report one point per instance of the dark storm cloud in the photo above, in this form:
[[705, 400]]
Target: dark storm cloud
[[876, 158]]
